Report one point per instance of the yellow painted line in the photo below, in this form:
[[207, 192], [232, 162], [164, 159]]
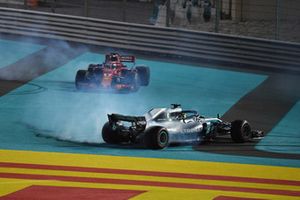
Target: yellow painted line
[[147, 178], [151, 164]]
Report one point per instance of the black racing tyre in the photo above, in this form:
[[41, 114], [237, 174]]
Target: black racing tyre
[[98, 72], [144, 75], [240, 131], [109, 135], [129, 77], [98, 75], [80, 78], [156, 137]]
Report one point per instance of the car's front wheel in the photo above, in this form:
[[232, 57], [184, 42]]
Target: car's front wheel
[[156, 137], [80, 78], [240, 131]]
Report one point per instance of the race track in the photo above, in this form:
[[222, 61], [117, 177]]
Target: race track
[[50, 132]]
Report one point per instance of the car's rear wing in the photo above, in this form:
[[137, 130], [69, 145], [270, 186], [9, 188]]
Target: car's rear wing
[[117, 117], [137, 122], [127, 59]]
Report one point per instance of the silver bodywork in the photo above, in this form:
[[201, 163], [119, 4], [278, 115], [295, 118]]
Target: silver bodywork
[[162, 126], [188, 127]]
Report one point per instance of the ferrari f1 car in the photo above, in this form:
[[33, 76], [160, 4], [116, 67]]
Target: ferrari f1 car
[[160, 127], [113, 73]]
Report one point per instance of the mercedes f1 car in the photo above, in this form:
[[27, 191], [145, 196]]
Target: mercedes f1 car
[[160, 127], [113, 73]]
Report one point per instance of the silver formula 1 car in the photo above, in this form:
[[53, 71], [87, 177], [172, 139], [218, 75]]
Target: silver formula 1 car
[[160, 127]]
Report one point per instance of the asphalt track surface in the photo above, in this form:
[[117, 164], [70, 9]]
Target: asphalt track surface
[[42, 112]]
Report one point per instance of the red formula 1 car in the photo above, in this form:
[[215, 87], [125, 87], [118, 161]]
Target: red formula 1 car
[[114, 74]]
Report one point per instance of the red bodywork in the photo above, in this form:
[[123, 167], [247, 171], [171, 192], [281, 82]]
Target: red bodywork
[[112, 73], [112, 67]]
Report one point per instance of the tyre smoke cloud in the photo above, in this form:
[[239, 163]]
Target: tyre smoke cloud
[[50, 54], [77, 116]]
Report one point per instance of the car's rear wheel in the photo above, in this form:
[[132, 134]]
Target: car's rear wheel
[[98, 76], [109, 135], [240, 131], [156, 137], [144, 75], [129, 78], [80, 79]]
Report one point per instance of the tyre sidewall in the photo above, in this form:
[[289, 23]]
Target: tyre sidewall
[[80, 78], [109, 135], [240, 131], [144, 75], [156, 137]]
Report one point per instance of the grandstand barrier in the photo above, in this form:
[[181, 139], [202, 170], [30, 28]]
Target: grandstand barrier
[[203, 46]]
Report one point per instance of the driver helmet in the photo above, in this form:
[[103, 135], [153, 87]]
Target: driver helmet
[[114, 65], [113, 57]]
